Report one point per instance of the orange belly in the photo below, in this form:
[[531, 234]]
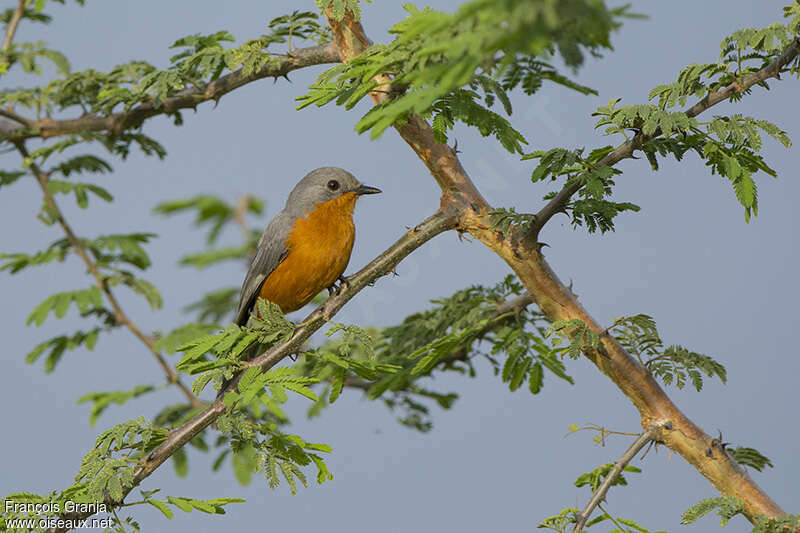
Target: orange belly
[[319, 250]]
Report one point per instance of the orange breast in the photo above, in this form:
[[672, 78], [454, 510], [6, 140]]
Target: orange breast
[[319, 250]]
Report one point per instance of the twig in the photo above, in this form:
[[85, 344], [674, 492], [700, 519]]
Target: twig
[[43, 179], [602, 431], [443, 220], [11, 29], [119, 122], [600, 494], [16, 118], [558, 203]]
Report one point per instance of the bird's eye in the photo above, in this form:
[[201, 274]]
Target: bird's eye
[[333, 185]]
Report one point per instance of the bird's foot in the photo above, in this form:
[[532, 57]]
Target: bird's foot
[[335, 289]]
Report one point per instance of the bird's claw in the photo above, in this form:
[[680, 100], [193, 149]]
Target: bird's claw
[[335, 289]]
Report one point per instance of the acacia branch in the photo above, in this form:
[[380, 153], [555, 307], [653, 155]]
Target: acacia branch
[[558, 203], [119, 122], [600, 494], [557, 302], [43, 179], [441, 221]]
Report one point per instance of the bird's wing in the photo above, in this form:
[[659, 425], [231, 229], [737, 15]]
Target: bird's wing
[[271, 251]]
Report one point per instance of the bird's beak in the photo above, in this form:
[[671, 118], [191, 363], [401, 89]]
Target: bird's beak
[[366, 189]]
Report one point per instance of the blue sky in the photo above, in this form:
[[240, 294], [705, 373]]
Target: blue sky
[[497, 459]]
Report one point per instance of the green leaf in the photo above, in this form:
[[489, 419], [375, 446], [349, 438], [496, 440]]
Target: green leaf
[[162, 506], [102, 400], [9, 177], [58, 303], [594, 478]]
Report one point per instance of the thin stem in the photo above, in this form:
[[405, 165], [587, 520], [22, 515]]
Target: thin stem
[[13, 116], [600, 494], [121, 527], [11, 29], [43, 179], [616, 523]]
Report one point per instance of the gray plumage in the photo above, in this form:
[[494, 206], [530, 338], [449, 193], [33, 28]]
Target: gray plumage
[[318, 186]]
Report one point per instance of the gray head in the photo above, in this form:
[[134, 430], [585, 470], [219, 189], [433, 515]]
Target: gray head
[[321, 185]]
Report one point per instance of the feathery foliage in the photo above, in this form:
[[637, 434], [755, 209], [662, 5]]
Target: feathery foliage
[[673, 364], [726, 507]]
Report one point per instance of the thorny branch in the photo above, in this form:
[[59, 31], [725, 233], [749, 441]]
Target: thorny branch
[[600, 494], [557, 302], [119, 122]]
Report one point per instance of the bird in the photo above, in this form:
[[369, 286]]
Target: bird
[[306, 247]]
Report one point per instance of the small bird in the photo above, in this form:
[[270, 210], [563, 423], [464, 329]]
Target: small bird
[[307, 246]]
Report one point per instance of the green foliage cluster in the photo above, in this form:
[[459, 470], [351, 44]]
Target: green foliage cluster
[[445, 338], [251, 424], [231, 345], [672, 365], [113, 461], [591, 208], [454, 67], [729, 145], [200, 60], [578, 334], [786, 522]]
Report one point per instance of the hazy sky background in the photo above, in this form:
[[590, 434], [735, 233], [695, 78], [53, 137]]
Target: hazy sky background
[[497, 460]]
